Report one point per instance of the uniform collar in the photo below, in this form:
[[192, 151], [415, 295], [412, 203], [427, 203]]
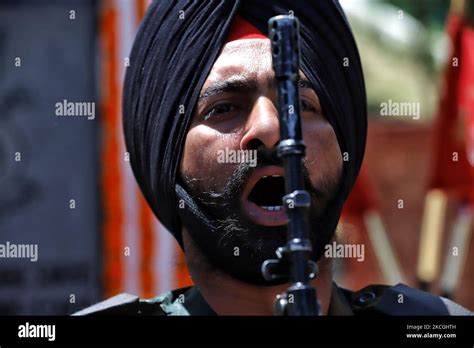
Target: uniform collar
[[196, 304], [339, 304]]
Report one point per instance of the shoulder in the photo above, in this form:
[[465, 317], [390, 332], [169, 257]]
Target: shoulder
[[400, 300], [168, 303]]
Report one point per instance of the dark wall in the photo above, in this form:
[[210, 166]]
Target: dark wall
[[59, 156]]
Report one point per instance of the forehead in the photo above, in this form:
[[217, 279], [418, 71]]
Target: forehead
[[250, 58]]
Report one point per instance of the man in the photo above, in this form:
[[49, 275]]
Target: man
[[199, 103]]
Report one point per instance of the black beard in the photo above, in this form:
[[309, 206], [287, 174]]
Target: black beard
[[238, 246]]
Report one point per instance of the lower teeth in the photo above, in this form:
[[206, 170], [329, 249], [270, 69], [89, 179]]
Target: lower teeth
[[273, 208]]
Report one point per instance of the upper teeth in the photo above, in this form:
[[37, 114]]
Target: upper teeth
[[273, 176], [273, 208]]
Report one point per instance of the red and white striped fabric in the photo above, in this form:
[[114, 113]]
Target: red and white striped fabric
[[140, 256]]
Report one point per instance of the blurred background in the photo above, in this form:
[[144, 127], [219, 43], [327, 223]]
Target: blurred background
[[67, 187]]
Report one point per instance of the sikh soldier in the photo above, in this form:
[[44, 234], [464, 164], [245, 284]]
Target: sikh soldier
[[201, 82]]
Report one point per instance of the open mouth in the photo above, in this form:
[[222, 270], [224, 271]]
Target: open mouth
[[268, 192], [262, 197]]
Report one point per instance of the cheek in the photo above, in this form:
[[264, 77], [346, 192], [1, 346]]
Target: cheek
[[200, 158], [323, 155]]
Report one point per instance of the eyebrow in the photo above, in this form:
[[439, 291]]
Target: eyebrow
[[242, 84], [234, 84]]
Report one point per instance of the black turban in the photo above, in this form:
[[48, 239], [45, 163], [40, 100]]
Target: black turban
[[174, 50]]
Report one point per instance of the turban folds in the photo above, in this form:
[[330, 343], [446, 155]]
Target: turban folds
[[173, 53]]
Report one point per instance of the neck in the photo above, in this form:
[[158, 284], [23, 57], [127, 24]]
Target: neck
[[229, 296]]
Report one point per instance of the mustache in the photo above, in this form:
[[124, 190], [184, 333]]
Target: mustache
[[235, 185]]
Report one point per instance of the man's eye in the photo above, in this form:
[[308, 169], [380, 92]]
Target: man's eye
[[307, 106], [219, 110]]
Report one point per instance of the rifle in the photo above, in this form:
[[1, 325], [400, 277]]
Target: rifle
[[293, 261]]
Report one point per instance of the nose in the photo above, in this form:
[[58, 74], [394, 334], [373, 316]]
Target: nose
[[263, 128]]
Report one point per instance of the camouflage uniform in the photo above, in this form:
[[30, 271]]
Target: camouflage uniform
[[371, 300]]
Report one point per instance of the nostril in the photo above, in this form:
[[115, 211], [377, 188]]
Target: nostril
[[254, 144]]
